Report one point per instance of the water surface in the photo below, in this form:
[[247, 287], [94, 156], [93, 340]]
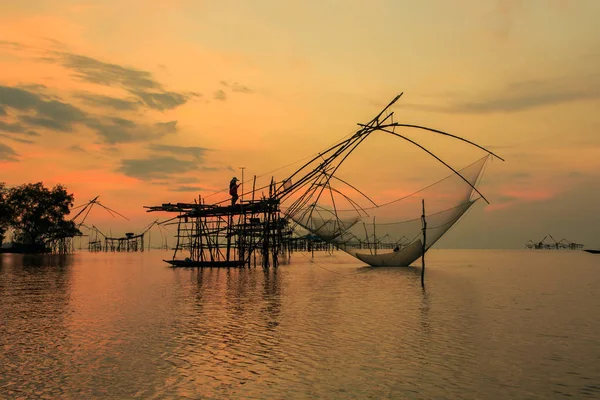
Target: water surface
[[490, 324]]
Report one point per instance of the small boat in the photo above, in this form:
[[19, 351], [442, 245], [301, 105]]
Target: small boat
[[593, 251], [205, 264]]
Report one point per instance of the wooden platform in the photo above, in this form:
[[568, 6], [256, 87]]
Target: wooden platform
[[212, 210], [205, 264]]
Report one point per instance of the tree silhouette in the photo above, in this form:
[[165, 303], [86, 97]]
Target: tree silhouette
[[37, 214], [5, 214]]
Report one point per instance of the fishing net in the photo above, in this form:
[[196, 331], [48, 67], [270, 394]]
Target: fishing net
[[316, 198], [356, 225]]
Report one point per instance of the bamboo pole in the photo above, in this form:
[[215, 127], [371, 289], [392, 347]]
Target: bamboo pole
[[424, 222], [228, 233], [374, 237], [440, 160], [178, 234]]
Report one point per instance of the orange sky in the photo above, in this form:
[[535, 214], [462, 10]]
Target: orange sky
[[146, 102]]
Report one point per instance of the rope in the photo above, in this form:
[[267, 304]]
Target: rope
[[320, 266]]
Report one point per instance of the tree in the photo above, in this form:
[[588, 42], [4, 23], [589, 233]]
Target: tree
[[5, 214], [38, 213]]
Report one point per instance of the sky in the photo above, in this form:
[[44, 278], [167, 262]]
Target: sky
[[149, 102]]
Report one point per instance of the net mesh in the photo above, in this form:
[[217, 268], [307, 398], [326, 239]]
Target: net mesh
[[353, 223]]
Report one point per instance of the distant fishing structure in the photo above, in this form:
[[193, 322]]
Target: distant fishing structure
[[549, 243], [317, 199], [130, 242], [65, 245], [97, 240]]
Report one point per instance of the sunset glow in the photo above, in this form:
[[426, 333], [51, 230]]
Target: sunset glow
[[148, 102]]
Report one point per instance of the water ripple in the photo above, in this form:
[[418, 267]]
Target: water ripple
[[125, 326]]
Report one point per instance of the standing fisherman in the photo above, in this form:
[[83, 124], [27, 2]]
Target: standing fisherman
[[233, 187]]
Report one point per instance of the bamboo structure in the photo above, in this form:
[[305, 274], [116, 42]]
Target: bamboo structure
[[94, 246], [131, 242], [549, 243], [127, 243], [63, 245], [95, 237], [236, 235], [216, 235]]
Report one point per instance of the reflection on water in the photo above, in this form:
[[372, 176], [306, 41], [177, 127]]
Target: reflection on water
[[34, 307], [488, 325]]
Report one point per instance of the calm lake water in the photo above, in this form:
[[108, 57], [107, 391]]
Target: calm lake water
[[490, 324]]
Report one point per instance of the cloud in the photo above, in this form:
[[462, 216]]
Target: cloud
[[137, 82], [31, 107], [193, 151], [49, 123], [16, 139], [12, 45], [213, 169], [575, 174], [186, 180], [36, 110], [33, 86], [51, 114], [162, 100], [101, 101], [18, 98], [526, 95], [92, 70], [111, 150], [76, 148], [187, 189], [507, 102], [165, 128], [7, 153], [220, 95], [237, 87], [18, 129], [120, 130], [155, 167], [241, 89], [24, 100], [14, 127], [168, 169]]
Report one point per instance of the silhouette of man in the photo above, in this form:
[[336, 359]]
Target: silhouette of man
[[233, 187]]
